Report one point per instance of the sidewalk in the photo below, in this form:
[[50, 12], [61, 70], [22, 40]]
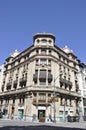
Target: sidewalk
[[69, 124], [59, 124]]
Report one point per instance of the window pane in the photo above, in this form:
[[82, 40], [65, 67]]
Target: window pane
[[43, 61]]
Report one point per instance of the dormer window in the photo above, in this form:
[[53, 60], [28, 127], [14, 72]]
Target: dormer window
[[43, 41], [50, 41], [38, 40], [43, 51]]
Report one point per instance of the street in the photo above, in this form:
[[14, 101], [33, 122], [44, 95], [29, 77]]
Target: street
[[36, 128], [25, 125]]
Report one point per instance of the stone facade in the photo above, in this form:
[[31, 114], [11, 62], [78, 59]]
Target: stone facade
[[82, 84], [40, 83]]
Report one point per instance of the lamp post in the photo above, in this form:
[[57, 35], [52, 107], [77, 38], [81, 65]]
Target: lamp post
[[54, 94], [64, 110]]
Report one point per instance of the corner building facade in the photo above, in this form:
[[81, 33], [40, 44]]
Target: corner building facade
[[40, 83]]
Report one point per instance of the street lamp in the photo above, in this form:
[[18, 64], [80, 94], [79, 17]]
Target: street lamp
[[54, 94], [64, 110]]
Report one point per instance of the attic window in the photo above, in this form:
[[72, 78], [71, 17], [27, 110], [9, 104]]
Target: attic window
[[43, 51], [44, 41], [38, 41], [50, 41]]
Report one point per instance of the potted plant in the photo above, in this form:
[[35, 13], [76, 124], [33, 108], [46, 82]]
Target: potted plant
[[42, 117]]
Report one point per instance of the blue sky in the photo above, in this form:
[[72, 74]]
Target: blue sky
[[21, 19]]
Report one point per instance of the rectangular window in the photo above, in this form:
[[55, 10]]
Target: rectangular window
[[35, 77], [42, 97], [43, 41], [1, 101], [61, 103], [43, 74], [42, 77], [43, 61], [84, 102], [49, 76], [36, 72], [42, 82], [37, 61], [66, 112], [60, 112], [14, 101], [49, 62]]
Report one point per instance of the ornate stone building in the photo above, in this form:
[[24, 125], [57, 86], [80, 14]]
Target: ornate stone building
[[41, 82], [1, 74], [82, 84]]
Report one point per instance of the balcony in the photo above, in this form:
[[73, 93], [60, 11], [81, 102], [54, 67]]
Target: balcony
[[68, 92], [23, 81], [50, 77], [67, 82], [42, 88], [40, 102], [17, 92], [52, 99], [62, 80]]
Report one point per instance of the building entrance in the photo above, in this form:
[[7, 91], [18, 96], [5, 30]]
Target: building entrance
[[41, 115], [20, 113]]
